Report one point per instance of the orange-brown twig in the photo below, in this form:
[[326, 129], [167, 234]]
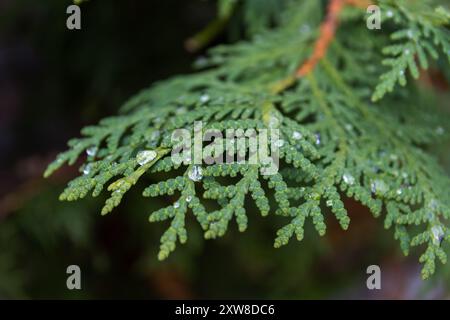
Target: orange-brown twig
[[327, 33]]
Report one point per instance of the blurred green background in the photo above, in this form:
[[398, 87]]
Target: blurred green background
[[52, 83]]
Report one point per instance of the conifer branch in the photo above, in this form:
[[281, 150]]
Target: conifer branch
[[334, 141]]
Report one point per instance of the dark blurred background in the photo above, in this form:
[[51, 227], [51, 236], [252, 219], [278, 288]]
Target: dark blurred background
[[54, 81]]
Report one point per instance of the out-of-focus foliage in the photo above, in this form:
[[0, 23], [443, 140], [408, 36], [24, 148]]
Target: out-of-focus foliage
[[256, 15]]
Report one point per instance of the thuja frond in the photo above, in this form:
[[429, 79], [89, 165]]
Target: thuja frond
[[334, 141]]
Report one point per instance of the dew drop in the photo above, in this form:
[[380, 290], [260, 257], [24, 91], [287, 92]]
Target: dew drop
[[188, 199], [176, 205], [144, 157], [279, 143], [329, 203], [296, 135], [92, 151], [434, 204], [87, 169], [438, 235], [196, 173], [379, 186], [348, 179], [318, 139], [274, 122], [204, 98], [399, 192]]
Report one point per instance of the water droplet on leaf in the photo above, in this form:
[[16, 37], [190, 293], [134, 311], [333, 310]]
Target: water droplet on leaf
[[144, 157], [438, 235], [379, 187], [92, 151], [279, 143], [348, 179], [87, 169], [296, 135], [434, 204], [318, 139], [204, 98], [274, 122]]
